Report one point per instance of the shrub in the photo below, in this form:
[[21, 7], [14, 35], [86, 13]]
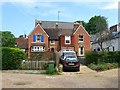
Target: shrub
[[91, 57], [12, 58], [41, 56], [103, 66], [102, 57]]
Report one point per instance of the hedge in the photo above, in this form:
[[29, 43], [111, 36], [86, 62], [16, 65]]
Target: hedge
[[12, 58], [42, 56], [102, 57]]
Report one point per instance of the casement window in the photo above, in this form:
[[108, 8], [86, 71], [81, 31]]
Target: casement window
[[52, 42], [81, 38], [38, 38], [67, 39], [37, 48]]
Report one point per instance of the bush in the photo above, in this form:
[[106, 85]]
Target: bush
[[41, 56], [91, 57], [12, 58], [103, 66], [102, 57]]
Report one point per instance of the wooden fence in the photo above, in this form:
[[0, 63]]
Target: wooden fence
[[34, 65]]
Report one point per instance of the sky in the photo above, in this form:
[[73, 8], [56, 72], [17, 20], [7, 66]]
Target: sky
[[19, 16]]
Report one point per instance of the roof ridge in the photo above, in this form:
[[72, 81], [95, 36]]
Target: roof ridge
[[59, 21]]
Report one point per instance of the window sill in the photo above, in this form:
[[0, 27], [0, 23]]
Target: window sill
[[80, 41], [38, 42], [68, 43], [37, 51]]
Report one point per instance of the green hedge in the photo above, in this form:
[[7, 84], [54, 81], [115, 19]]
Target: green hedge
[[42, 56], [102, 57], [12, 58]]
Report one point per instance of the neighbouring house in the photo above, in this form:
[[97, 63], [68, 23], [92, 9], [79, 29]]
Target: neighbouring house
[[22, 43], [56, 36], [112, 44]]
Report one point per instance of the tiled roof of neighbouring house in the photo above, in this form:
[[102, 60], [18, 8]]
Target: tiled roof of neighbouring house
[[22, 43]]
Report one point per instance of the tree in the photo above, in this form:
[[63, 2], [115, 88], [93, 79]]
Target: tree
[[97, 24], [7, 39], [103, 37], [21, 36], [83, 23]]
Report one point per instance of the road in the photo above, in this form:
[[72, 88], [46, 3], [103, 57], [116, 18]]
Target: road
[[86, 78]]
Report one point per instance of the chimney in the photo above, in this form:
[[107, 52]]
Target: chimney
[[37, 22], [76, 25]]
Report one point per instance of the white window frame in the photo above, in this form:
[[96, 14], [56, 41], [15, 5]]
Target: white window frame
[[37, 38], [68, 38], [81, 38], [37, 49], [52, 42]]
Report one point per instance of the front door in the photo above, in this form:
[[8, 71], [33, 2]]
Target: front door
[[81, 51]]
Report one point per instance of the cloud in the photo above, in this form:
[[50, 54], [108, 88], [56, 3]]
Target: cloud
[[111, 6]]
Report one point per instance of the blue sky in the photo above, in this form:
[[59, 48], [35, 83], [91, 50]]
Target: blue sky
[[19, 17]]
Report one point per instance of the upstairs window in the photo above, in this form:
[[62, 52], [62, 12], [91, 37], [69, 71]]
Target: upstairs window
[[52, 42], [38, 38], [81, 38], [67, 39]]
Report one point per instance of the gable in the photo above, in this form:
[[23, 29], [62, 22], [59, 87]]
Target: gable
[[38, 29], [81, 27]]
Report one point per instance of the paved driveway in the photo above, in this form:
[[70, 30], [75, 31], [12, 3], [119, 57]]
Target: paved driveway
[[86, 78]]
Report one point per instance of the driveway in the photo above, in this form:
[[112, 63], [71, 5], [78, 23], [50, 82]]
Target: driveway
[[86, 78]]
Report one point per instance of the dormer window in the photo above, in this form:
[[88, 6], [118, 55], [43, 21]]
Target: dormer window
[[67, 39], [81, 38]]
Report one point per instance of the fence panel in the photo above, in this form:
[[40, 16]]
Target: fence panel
[[34, 65]]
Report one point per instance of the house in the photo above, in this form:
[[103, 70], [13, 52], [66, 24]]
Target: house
[[112, 44], [22, 43], [56, 36]]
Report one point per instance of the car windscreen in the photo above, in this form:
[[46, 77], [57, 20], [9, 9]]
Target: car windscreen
[[70, 54], [71, 59]]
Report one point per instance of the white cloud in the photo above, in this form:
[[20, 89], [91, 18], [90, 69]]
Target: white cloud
[[111, 6]]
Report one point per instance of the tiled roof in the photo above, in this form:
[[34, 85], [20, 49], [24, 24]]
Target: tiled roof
[[53, 33], [62, 25], [66, 32], [22, 43]]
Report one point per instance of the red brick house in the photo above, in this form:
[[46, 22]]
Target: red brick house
[[54, 36]]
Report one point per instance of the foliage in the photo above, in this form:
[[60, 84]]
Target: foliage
[[12, 58], [41, 56], [97, 24], [102, 57], [7, 39], [91, 57], [83, 23], [103, 66]]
